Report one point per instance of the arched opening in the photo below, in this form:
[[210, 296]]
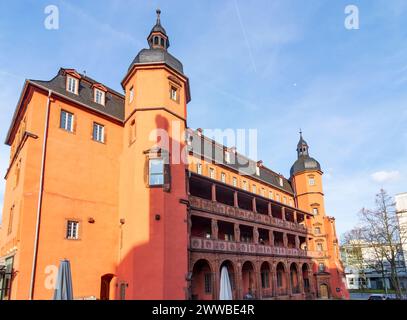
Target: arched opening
[[323, 291], [281, 279], [105, 286], [295, 286], [248, 280], [265, 280], [305, 277], [202, 281], [155, 40], [231, 272]]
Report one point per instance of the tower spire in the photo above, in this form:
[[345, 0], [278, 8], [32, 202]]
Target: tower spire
[[158, 38]]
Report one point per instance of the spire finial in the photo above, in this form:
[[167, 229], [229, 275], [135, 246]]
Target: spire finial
[[300, 132], [158, 11]]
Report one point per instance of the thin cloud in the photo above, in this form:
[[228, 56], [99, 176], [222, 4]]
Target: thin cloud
[[385, 176]]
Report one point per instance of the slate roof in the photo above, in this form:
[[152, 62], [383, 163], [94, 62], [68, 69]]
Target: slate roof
[[211, 150], [158, 56], [114, 101]]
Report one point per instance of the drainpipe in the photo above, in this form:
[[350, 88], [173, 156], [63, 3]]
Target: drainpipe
[[40, 196]]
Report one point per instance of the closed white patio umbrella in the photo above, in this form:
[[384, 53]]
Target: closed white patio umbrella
[[225, 287]]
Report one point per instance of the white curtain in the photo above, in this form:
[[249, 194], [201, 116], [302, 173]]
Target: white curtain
[[225, 288]]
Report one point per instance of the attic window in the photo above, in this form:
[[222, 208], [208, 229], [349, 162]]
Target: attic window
[[99, 97], [257, 171], [162, 42], [72, 85], [280, 180], [174, 93], [227, 156]]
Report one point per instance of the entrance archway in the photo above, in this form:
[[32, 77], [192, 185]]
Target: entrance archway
[[305, 278], [281, 279], [105, 286], [265, 280], [248, 279], [202, 281], [323, 291], [295, 286]]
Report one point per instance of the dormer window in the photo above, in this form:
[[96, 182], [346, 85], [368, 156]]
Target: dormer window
[[227, 156], [99, 97], [281, 182], [72, 85], [257, 171]]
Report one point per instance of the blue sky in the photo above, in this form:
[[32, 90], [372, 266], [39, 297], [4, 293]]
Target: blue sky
[[271, 65]]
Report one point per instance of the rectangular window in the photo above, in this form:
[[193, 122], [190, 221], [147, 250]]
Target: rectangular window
[[72, 85], [280, 180], [278, 197], [319, 247], [174, 94], [131, 94], [263, 192], [234, 182], [254, 189], [98, 132], [321, 267], [315, 211], [245, 185], [317, 230], [156, 172], [212, 173], [99, 97], [10, 221], [66, 121], [227, 156], [311, 181], [72, 230], [223, 177], [257, 171], [285, 200], [199, 168], [208, 283], [271, 194]]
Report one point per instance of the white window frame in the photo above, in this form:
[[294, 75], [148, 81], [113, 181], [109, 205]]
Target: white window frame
[[174, 93], [150, 174], [212, 173], [66, 127], [234, 181], [199, 168], [72, 81], [257, 171], [131, 94], [72, 230], [254, 188], [270, 194], [100, 132], [223, 177], [227, 156], [311, 181], [101, 94], [244, 185], [281, 181]]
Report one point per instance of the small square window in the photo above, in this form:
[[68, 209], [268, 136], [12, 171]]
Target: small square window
[[174, 93], [99, 97], [72, 230], [156, 172], [66, 121], [72, 85], [98, 132]]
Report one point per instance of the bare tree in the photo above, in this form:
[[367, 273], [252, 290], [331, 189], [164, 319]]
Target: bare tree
[[382, 232]]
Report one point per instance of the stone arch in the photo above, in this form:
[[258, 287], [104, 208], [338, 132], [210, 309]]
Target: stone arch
[[306, 279], [105, 281], [266, 279], [202, 282], [249, 286], [281, 276], [294, 278]]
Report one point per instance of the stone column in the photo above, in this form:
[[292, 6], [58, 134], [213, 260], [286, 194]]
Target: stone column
[[235, 199], [274, 282], [214, 229], [283, 213], [285, 240], [289, 289], [255, 235], [254, 204], [237, 232], [271, 237], [270, 212], [300, 280], [297, 241], [213, 189], [295, 217]]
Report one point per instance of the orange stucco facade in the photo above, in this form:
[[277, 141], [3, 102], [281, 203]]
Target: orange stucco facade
[[135, 239]]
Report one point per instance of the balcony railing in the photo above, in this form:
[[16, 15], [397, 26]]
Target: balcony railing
[[245, 248], [230, 211]]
